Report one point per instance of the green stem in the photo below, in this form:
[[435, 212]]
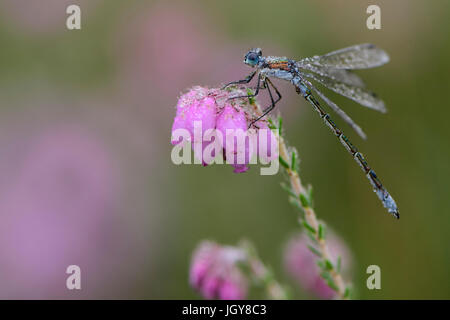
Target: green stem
[[302, 198]]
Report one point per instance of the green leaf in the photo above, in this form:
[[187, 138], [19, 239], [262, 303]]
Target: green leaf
[[329, 280], [294, 161], [294, 201], [315, 251], [280, 123], [328, 265], [332, 285], [310, 195], [321, 232], [347, 292], [321, 265], [326, 275], [283, 163], [288, 189], [338, 265], [304, 200], [311, 237], [271, 125], [251, 100], [308, 227]]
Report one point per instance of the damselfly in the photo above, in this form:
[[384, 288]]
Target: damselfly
[[331, 70]]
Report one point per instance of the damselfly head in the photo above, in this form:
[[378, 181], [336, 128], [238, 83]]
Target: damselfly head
[[252, 57]]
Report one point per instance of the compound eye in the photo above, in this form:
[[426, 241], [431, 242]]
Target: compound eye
[[252, 57]]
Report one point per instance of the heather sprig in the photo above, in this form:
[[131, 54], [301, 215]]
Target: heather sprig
[[302, 199], [226, 272], [303, 262]]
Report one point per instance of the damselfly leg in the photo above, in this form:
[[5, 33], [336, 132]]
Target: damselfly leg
[[258, 86], [243, 81], [266, 84], [266, 111]]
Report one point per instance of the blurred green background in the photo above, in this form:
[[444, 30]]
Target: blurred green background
[[117, 80]]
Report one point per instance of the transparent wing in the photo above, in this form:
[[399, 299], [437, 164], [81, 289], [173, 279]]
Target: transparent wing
[[360, 56], [338, 111], [360, 95], [340, 75]]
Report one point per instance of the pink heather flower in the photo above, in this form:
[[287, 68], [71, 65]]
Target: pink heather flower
[[301, 263], [196, 106], [215, 274], [231, 122], [211, 109]]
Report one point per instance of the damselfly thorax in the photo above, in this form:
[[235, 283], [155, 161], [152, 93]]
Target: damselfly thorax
[[284, 69], [333, 71]]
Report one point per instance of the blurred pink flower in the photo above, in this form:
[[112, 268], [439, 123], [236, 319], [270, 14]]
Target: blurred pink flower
[[215, 274], [211, 109], [57, 211], [301, 263]]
